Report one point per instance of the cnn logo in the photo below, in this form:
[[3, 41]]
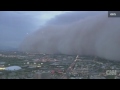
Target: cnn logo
[[111, 72]]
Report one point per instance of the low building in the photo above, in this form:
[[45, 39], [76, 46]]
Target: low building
[[37, 75], [13, 68], [32, 65], [46, 76], [2, 67]]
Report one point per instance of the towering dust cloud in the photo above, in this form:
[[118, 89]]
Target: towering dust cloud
[[95, 35]]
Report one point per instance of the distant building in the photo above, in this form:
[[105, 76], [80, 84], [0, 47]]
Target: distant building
[[2, 67], [2, 62], [72, 78], [37, 75], [96, 77], [12, 68], [32, 66], [46, 76], [1, 73]]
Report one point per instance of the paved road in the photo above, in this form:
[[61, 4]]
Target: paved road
[[71, 67]]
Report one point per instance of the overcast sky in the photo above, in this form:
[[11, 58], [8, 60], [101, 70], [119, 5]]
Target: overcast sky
[[16, 25]]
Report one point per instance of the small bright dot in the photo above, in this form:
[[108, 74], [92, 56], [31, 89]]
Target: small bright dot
[[38, 66]]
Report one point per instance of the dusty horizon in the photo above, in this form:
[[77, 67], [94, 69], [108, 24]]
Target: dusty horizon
[[93, 36]]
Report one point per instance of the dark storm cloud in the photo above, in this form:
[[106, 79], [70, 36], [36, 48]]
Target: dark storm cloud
[[95, 35]]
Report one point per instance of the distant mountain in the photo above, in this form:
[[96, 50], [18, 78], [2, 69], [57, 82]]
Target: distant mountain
[[7, 48]]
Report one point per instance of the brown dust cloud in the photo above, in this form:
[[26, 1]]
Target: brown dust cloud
[[96, 35]]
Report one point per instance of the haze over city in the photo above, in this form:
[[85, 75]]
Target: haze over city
[[61, 32]]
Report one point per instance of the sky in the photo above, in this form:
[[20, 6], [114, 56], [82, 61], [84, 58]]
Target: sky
[[16, 25]]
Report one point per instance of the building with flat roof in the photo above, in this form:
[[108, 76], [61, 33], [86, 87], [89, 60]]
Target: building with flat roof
[[12, 68]]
